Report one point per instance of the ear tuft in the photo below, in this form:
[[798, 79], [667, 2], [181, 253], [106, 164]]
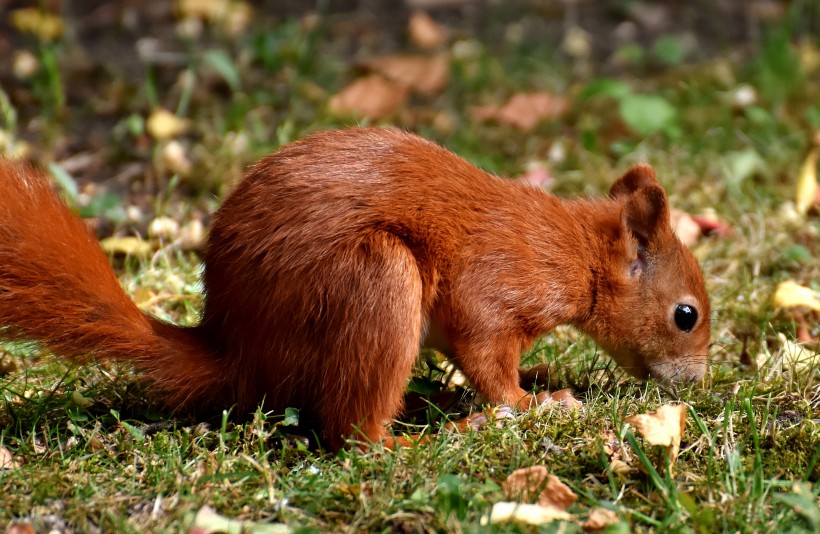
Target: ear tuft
[[646, 212], [639, 175]]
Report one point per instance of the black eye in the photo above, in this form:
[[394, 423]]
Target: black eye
[[685, 317]]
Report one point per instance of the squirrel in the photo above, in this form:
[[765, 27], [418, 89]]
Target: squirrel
[[337, 256]]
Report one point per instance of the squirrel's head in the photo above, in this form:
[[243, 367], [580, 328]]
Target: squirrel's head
[[651, 312]]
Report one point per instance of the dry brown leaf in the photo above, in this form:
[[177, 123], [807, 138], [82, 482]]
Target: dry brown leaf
[[7, 460], [663, 427], [526, 483], [806, 190], [371, 97], [425, 32], [426, 75], [524, 110], [619, 456], [535, 482], [557, 494], [21, 528], [162, 124], [530, 514], [790, 294], [620, 468], [600, 518]]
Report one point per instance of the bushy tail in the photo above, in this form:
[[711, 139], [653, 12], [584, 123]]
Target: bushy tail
[[57, 287]]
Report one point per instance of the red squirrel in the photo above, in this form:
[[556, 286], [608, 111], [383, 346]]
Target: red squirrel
[[336, 256]]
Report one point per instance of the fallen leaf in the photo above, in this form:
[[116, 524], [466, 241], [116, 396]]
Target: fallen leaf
[[164, 227], [425, 32], [8, 364], [175, 158], [790, 294], [806, 190], [6, 459], [192, 235], [207, 521], [796, 355], [44, 25], [620, 468], [371, 97], [600, 518], [82, 402], [202, 9], [130, 246], [535, 483], [426, 75], [526, 483], [530, 514], [523, 110], [162, 124], [663, 427]]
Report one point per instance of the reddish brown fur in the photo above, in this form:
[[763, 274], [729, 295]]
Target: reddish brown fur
[[330, 261]]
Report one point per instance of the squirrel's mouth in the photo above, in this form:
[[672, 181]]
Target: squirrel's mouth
[[682, 370]]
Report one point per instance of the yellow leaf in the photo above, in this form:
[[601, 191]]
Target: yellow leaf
[[664, 427], [807, 183], [530, 514], [204, 9], [44, 25], [80, 400], [797, 356], [130, 246], [790, 294], [162, 124]]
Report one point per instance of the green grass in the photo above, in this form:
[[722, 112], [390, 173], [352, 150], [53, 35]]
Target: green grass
[[96, 450]]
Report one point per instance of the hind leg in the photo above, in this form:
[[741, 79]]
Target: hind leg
[[378, 309]]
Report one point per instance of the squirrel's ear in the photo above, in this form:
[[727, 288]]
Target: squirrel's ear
[[646, 213], [639, 175]]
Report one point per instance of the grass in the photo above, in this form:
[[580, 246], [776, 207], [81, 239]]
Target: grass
[[96, 451]]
